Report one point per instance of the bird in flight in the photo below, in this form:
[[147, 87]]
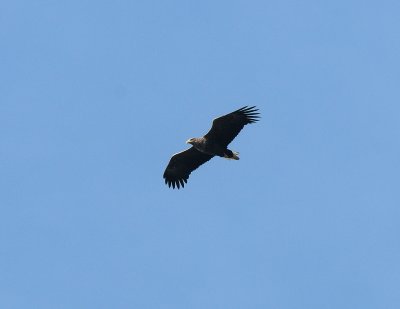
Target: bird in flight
[[224, 129]]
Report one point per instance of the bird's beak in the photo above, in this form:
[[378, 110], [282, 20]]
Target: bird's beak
[[188, 141]]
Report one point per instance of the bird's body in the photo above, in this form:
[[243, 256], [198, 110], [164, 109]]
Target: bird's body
[[224, 129], [210, 147]]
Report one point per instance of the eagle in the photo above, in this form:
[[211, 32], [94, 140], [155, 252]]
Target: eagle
[[223, 130]]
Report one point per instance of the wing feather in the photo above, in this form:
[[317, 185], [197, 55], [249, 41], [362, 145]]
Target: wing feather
[[225, 128], [182, 164]]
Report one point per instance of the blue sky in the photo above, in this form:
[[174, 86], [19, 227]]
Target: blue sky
[[95, 96]]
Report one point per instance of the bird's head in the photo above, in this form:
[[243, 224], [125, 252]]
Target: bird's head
[[191, 141]]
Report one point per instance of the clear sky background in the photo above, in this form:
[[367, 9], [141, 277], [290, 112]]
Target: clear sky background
[[95, 96]]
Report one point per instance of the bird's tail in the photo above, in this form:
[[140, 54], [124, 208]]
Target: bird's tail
[[231, 155]]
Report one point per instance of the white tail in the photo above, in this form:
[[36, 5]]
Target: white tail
[[234, 157]]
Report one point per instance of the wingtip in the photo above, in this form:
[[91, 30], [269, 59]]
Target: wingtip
[[251, 113], [176, 183], [248, 109]]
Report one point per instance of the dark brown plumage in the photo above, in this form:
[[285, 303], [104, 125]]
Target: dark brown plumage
[[224, 129]]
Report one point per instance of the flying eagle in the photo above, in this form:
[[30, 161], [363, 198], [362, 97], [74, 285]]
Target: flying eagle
[[224, 129]]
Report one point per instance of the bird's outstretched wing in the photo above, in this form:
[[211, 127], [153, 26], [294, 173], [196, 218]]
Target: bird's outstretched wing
[[225, 128], [182, 164]]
